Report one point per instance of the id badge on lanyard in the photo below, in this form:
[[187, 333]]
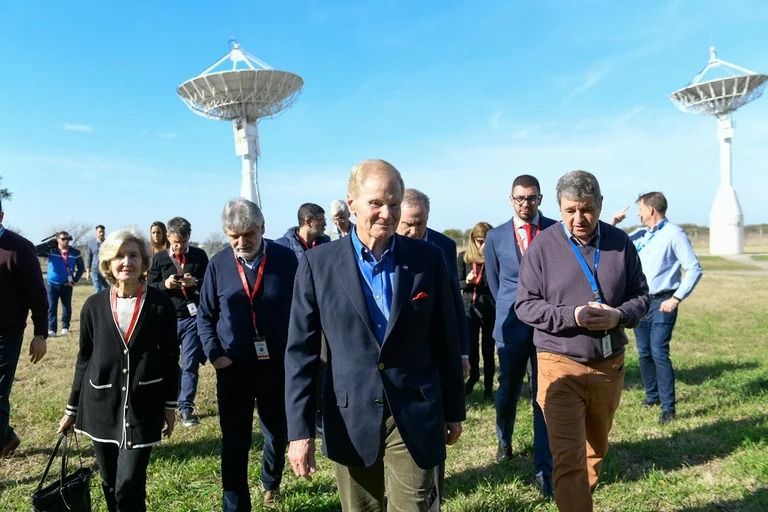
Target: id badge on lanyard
[[591, 276], [259, 342]]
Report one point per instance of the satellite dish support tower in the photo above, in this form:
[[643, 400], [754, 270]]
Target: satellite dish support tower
[[721, 97], [243, 93]]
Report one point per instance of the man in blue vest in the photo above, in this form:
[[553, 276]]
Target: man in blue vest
[[65, 268]]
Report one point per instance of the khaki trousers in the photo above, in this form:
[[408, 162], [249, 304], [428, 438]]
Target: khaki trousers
[[407, 487], [579, 401]]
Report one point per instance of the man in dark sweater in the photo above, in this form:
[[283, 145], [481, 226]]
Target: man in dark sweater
[[580, 285], [179, 272], [243, 323], [21, 290]]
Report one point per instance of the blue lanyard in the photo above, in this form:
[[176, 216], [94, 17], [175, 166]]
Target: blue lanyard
[[591, 276], [640, 247]]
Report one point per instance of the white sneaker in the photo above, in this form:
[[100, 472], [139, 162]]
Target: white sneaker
[[51, 334], [64, 332]]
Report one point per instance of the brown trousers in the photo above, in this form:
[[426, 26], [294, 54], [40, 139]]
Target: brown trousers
[[579, 401]]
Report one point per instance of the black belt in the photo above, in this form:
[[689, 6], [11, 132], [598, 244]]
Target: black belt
[[662, 295]]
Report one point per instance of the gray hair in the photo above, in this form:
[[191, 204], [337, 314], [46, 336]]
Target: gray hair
[[241, 215], [111, 246], [339, 206], [180, 226], [413, 197], [578, 185]]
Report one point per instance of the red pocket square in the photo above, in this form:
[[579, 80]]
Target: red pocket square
[[420, 295]]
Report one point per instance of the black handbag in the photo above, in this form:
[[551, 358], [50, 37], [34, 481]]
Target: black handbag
[[71, 492]]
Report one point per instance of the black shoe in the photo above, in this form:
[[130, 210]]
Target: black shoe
[[10, 446], [649, 403], [544, 483], [488, 395], [504, 452], [469, 386], [666, 417], [189, 419]]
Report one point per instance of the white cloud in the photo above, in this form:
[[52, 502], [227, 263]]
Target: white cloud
[[495, 121], [77, 127], [592, 77]]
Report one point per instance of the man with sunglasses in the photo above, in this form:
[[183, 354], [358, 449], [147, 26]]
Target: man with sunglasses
[[503, 251], [65, 268]]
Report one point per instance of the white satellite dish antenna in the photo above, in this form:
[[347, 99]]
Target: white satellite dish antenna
[[242, 89], [728, 88]]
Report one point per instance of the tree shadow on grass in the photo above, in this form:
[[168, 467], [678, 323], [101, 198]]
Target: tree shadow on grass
[[630, 461], [203, 447], [700, 374], [691, 376], [519, 469], [756, 501]]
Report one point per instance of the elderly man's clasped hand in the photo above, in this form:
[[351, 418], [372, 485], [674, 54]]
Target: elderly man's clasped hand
[[597, 317]]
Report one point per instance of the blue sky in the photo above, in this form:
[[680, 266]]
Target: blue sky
[[460, 96]]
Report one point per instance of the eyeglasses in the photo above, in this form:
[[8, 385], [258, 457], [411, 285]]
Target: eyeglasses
[[480, 241], [529, 199], [65, 239]]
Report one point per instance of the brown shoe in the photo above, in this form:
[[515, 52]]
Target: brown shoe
[[270, 498], [10, 446]]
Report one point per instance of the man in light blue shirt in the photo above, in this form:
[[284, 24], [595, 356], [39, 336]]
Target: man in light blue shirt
[[665, 252]]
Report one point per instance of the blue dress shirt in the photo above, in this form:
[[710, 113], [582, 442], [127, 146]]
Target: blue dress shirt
[[2, 230], [379, 283], [665, 252]]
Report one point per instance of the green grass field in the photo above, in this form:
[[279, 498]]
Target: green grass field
[[713, 458], [709, 263]]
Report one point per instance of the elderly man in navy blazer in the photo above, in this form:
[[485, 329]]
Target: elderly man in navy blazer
[[503, 251], [393, 393], [243, 324], [413, 224]]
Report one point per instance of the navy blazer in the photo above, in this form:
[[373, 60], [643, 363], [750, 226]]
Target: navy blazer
[[224, 317], [448, 248], [502, 264], [417, 369]]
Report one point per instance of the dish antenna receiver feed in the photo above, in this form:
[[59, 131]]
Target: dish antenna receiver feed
[[242, 89], [720, 89]]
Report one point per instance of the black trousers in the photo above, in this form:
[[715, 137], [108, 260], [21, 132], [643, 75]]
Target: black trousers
[[481, 340], [123, 476], [237, 387]]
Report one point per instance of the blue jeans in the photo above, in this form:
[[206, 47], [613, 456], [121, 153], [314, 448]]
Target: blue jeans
[[10, 348], [192, 356], [236, 388], [513, 363], [56, 292], [99, 283], [653, 334]]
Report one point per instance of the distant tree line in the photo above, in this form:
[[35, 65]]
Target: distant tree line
[[692, 230]]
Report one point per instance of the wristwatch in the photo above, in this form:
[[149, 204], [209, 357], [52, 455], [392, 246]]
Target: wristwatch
[[623, 319]]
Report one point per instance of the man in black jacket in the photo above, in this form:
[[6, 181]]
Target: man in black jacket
[[179, 272]]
